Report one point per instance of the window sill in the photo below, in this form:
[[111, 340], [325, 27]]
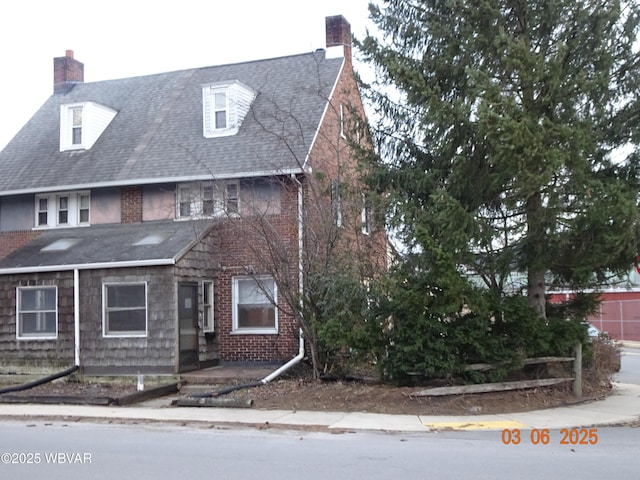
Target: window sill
[[36, 337], [124, 335], [255, 331]]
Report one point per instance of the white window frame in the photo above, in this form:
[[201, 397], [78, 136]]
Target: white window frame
[[67, 127], [74, 208], [342, 134], [365, 216], [208, 319], [19, 313], [76, 126], [219, 198], [336, 203], [216, 109], [211, 129], [124, 334], [258, 280]]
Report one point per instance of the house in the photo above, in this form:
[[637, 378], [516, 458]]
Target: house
[[125, 206]]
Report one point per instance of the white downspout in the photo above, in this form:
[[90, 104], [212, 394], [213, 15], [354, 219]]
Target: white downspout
[[76, 316], [300, 354]]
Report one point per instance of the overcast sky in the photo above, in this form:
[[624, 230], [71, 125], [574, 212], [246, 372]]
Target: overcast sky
[[125, 38]]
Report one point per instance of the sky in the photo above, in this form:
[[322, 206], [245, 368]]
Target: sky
[[126, 38]]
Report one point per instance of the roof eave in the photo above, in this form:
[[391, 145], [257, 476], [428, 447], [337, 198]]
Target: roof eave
[[152, 181], [88, 266]]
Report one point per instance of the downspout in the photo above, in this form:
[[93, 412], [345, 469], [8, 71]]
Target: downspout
[[300, 354], [76, 316]]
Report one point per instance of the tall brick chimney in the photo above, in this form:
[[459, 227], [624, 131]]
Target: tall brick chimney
[[339, 33], [67, 71]]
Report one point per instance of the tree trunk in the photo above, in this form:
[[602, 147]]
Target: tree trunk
[[536, 291], [535, 253]]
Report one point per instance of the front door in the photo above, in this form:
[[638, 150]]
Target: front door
[[188, 325]]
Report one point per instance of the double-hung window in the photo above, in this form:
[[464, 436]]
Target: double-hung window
[[208, 199], [37, 312], [365, 216], [124, 310], [76, 125], [220, 108], [207, 307], [336, 203], [68, 209], [254, 300]]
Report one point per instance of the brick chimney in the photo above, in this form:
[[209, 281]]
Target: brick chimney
[[67, 71], [339, 33]]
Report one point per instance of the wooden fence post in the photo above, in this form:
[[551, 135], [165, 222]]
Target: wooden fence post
[[577, 370]]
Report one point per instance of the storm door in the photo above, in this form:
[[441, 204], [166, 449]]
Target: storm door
[[188, 325]]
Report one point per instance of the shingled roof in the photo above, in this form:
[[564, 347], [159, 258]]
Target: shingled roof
[[157, 133], [107, 246]]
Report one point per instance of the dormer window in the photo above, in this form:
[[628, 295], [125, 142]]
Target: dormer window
[[224, 107], [220, 109], [76, 126], [81, 124]]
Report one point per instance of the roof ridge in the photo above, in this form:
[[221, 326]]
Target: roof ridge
[[204, 67]]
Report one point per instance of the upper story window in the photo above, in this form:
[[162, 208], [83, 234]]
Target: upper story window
[[211, 199], [224, 106], [336, 203], [81, 124], [68, 209], [365, 215], [76, 126], [220, 108]]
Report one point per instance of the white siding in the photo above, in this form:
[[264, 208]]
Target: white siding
[[98, 118]]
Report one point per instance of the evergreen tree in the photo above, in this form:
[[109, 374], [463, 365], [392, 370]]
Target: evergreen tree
[[509, 133]]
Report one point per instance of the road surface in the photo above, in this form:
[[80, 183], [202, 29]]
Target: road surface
[[56, 450]]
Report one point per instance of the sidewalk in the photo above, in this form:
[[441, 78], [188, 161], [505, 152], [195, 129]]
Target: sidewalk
[[620, 407]]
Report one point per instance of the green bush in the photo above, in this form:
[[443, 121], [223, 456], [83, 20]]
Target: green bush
[[426, 332]]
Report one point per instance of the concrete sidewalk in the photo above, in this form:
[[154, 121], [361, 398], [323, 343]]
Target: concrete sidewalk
[[621, 407]]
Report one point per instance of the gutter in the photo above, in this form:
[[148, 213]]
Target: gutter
[[88, 266]]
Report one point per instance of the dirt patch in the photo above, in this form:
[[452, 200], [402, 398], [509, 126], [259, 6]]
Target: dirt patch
[[347, 396], [382, 398], [64, 388]]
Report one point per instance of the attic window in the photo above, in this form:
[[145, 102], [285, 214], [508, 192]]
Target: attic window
[[60, 245], [224, 107], [76, 125], [81, 124]]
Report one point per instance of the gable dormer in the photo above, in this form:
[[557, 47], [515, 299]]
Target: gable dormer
[[81, 124], [225, 104]]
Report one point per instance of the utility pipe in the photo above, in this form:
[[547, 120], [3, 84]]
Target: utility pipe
[[300, 354], [76, 316]]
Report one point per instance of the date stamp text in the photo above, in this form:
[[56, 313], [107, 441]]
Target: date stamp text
[[568, 436]]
